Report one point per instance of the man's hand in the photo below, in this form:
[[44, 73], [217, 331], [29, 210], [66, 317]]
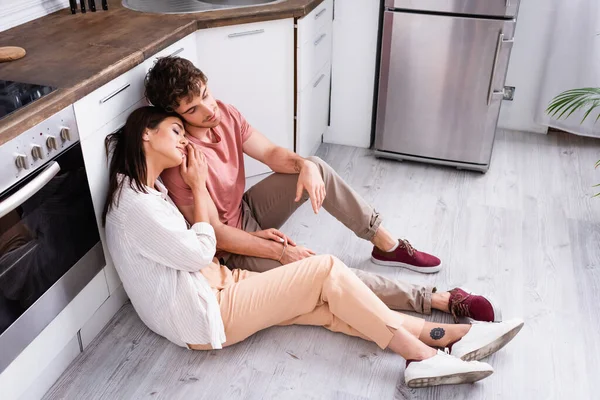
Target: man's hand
[[275, 235], [295, 253], [310, 179]]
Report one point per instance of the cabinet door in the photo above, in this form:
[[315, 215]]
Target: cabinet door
[[313, 113], [251, 66]]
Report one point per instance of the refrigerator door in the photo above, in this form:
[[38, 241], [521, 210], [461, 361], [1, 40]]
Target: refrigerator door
[[441, 85], [497, 8]]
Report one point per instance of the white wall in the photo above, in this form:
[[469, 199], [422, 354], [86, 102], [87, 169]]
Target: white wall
[[17, 12], [525, 71]]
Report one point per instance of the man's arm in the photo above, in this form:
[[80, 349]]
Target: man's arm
[[285, 161], [277, 158], [235, 240]]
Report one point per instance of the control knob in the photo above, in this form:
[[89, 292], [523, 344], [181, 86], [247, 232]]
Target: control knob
[[51, 143], [37, 152], [65, 134], [21, 161]]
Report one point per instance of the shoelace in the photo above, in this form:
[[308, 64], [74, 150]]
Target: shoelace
[[458, 308], [406, 244]]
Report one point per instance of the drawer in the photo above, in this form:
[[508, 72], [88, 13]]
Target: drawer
[[313, 22], [313, 54], [105, 103], [313, 112], [184, 48]]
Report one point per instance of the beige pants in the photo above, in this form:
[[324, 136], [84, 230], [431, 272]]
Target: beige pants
[[270, 203], [319, 291]]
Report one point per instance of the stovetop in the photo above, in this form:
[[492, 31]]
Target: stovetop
[[15, 95]]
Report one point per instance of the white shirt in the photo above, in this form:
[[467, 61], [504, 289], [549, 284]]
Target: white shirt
[[158, 258]]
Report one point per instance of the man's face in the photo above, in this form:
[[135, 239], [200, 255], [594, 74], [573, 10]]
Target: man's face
[[200, 111]]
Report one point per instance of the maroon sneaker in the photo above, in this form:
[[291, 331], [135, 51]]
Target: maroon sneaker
[[408, 257], [469, 305]]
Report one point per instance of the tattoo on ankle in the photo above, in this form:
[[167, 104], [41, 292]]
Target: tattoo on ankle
[[437, 333]]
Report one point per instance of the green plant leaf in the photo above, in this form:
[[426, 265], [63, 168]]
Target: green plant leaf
[[570, 101]]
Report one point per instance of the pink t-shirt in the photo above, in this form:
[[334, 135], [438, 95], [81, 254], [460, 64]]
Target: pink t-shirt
[[226, 176]]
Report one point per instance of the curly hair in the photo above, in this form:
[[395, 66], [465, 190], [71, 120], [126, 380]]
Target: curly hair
[[172, 79]]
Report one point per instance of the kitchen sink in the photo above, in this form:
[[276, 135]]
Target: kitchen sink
[[190, 6]]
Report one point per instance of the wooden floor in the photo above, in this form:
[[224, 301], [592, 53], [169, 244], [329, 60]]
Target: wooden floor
[[527, 233]]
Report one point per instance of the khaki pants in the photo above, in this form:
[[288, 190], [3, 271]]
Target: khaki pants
[[270, 203], [318, 291]]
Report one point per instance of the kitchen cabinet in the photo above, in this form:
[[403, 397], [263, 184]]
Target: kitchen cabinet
[[313, 77], [251, 66], [353, 67]]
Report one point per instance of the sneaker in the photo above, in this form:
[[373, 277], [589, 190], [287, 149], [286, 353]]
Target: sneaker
[[485, 338], [444, 369], [473, 306], [407, 256]]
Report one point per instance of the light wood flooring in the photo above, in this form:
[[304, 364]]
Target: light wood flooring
[[526, 233]]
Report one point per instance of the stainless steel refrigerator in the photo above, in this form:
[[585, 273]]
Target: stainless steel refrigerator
[[441, 79]]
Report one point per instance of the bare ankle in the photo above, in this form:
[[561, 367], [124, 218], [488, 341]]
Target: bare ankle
[[440, 301], [383, 240], [425, 354]]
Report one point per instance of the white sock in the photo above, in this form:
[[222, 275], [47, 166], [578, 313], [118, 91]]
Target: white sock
[[393, 248]]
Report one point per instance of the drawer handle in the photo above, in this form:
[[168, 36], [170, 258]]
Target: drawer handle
[[319, 80], [320, 13], [238, 34], [113, 94], [173, 54], [320, 38]]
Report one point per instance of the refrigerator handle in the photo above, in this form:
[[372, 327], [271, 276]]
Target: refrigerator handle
[[491, 91]]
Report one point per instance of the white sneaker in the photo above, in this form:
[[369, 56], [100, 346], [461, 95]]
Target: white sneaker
[[444, 369], [486, 338]]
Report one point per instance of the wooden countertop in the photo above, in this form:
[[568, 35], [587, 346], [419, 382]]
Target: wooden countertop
[[79, 53]]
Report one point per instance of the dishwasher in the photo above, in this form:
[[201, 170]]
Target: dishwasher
[[441, 79]]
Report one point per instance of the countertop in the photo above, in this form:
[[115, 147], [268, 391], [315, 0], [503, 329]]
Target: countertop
[[79, 53]]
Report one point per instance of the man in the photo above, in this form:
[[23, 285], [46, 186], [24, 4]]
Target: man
[[247, 232]]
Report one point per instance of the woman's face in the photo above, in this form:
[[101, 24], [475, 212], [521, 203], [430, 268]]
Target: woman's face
[[166, 143]]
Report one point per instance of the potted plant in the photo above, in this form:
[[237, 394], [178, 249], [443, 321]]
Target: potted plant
[[566, 103]]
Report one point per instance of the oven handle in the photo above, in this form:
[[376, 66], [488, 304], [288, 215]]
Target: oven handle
[[23, 194]]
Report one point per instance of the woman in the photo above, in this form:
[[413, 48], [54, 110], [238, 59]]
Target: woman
[[182, 293]]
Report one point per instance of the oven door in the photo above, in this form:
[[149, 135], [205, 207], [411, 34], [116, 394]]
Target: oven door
[[49, 249]]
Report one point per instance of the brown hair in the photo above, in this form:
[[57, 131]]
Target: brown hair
[[125, 150], [172, 79]]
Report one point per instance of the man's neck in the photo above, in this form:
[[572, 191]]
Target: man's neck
[[202, 134]]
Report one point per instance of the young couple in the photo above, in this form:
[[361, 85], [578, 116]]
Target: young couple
[[164, 242]]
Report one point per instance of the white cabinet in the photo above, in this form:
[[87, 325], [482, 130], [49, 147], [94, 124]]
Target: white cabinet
[[251, 66], [354, 57], [313, 112], [314, 77]]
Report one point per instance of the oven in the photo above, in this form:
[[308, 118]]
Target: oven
[[49, 242]]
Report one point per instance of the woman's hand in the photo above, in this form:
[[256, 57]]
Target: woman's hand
[[275, 235], [194, 168]]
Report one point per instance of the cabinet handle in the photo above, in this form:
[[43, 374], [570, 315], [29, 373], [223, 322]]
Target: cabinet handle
[[173, 54], [113, 94], [491, 91], [320, 38], [238, 34], [320, 13], [319, 80]]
